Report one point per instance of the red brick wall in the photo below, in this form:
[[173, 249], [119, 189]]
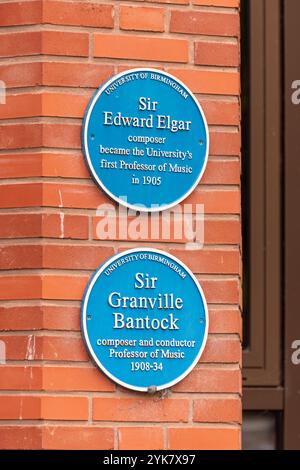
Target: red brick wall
[[53, 55]]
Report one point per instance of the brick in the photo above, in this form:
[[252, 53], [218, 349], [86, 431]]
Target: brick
[[64, 104], [216, 201], [76, 379], [20, 287], [140, 409], [221, 350], [72, 196], [225, 172], [204, 438], [65, 226], [209, 82], [78, 438], [221, 112], [81, 14], [45, 42], [65, 43], [64, 408], [62, 136], [216, 53], [20, 257], [136, 438], [20, 377], [217, 410], [20, 165], [221, 291], [47, 317], [64, 287], [154, 229], [44, 407], [20, 407], [72, 74], [211, 380], [50, 225], [25, 347], [222, 231], [20, 13], [209, 261], [178, 2], [125, 67], [224, 320], [217, 3], [60, 318], [140, 48], [215, 231], [142, 18], [21, 74], [20, 44], [204, 22], [15, 136], [64, 165], [62, 348], [74, 257], [20, 437], [20, 195], [21, 318], [20, 225], [225, 143]]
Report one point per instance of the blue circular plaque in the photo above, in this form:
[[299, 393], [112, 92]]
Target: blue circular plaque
[[144, 319], [145, 139]]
